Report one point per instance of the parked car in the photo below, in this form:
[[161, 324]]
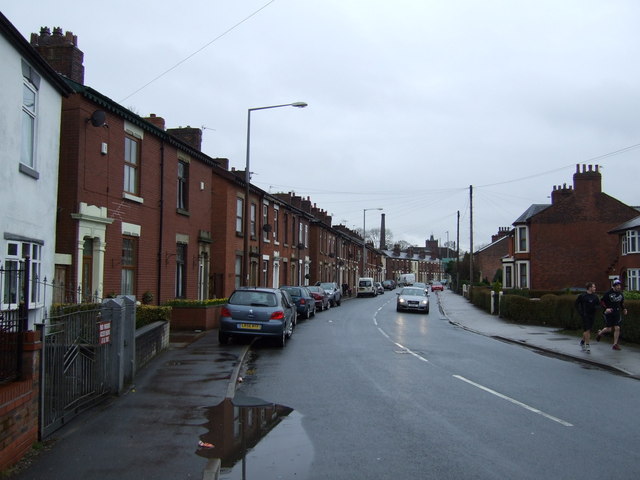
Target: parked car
[[366, 287], [334, 292], [389, 284], [413, 298], [320, 296], [305, 303], [421, 285], [379, 288], [258, 312], [437, 286]]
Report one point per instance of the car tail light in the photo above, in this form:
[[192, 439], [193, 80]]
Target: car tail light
[[225, 312], [302, 301], [279, 315]]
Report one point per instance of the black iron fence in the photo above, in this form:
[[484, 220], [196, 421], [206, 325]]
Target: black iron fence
[[13, 320]]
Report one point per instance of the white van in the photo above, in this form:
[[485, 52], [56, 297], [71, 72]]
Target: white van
[[366, 287]]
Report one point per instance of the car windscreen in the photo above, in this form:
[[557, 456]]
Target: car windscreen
[[255, 299], [327, 286], [417, 292]]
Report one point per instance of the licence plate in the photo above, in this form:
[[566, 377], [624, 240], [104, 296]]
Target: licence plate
[[250, 326]]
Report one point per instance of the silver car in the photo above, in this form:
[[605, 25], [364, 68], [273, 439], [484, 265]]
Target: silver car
[[412, 298], [258, 312]]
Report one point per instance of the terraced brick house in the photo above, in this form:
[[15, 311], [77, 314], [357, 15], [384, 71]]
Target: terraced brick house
[[567, 243]]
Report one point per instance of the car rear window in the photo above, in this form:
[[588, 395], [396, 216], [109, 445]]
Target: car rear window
[[296, 292], [255, 299], [365, 283]]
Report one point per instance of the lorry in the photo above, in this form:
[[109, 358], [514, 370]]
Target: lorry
[[406, 279]]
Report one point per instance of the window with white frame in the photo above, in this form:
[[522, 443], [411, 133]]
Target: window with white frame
[[630, 242], [128, 272], [181, 270], [508, 276], [252, 220], [239, 215], [300, 233], [131, 165], [29, 110], [276, 215], [13, 274], [522, 239], [183, 186], [523, 275], [265, 221], [633, 279], [238, 271]]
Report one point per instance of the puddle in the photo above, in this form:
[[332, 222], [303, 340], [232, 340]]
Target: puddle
[[256, 440]]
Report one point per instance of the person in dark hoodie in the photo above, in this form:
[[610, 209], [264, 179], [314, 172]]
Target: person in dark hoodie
[[587, 303], [613, 304]]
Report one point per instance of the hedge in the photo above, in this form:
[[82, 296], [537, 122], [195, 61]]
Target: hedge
[[559, 311], [146, 314]]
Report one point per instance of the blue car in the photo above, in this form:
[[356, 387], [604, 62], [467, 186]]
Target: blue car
[[258, 312], [305, 303]]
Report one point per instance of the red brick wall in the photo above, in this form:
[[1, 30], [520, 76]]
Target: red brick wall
[[570, 244], [19, 407], [86, 175]]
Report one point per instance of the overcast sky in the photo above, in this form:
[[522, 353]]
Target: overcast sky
[[410, 101]]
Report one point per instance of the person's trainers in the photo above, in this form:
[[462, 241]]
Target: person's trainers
[[583, 346], [616, 347], [587, 348]]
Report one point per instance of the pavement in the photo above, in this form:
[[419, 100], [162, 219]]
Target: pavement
[[163, 427], [459, 311]]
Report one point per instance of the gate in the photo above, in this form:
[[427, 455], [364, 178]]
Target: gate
[[75, 367]]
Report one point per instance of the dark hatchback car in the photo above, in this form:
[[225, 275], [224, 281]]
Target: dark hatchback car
[[321, 297], [258, 312], [305, 303]]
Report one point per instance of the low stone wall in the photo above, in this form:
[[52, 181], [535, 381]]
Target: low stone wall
[[150, 341]]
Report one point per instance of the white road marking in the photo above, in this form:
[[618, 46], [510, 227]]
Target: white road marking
[[515, 402], [477, 385]]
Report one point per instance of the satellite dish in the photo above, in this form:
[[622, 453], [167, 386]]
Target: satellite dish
[[98, 118]]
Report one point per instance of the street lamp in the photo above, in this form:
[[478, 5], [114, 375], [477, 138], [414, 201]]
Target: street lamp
[[247, 181], [364, 241]]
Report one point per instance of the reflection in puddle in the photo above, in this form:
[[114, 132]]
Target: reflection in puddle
[[256, 440]]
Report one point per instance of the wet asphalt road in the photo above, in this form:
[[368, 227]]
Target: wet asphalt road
[[377, 394]]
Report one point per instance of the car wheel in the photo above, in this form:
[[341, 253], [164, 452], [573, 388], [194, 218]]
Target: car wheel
[[289, 332], [223, 338], [339, 302], [398, 309], [313, 312], [427, 311], [282, 340]]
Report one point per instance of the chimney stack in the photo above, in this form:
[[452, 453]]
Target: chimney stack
[[61, 52]]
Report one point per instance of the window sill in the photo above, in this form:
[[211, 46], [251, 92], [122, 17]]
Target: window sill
[[181, 211], [133, 198], [29, 171]]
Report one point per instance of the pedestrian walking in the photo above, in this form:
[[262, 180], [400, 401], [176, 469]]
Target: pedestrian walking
[[587, 303], [613, 304]]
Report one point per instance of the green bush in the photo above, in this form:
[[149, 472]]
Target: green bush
[[146, 314], [181, 302]]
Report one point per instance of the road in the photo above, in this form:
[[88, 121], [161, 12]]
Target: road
[[378, 394]]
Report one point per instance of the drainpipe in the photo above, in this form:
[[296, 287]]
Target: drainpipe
[[161, 226]]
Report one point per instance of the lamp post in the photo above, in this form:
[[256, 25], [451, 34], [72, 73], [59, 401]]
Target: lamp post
[[364, 240], [247, 181]]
